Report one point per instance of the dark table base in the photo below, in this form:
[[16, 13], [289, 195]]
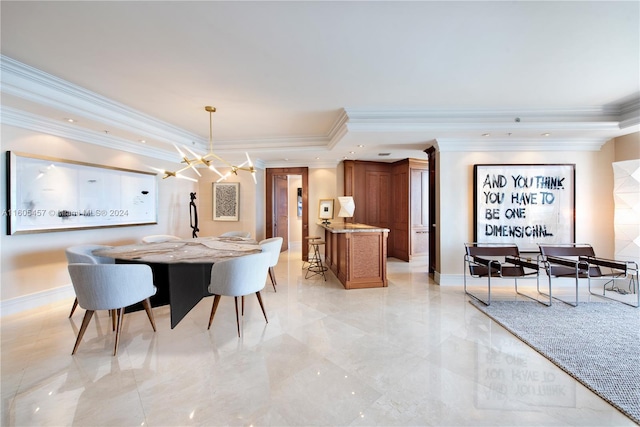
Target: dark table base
[[181, 286]]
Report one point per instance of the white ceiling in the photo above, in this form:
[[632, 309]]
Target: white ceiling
[[307, 80]]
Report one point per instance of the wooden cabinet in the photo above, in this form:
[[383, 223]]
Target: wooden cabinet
[[387, 195], [357, 254]]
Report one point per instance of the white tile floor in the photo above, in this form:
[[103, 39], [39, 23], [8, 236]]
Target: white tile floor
[[411, 354]]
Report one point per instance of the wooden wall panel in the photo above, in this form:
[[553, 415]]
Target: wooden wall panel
[[382, 195]]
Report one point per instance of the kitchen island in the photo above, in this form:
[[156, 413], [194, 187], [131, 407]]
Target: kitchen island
[[357, 254]]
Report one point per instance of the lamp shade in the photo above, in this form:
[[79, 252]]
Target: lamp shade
[[347, 206]]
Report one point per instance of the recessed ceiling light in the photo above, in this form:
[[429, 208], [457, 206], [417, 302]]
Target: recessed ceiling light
[[142, 141], [317, 158], [70, 120], [352, 152], [546, 134], [486, 134], [360, 146]]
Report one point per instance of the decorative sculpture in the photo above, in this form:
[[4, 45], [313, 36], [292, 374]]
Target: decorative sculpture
[[193, 210]]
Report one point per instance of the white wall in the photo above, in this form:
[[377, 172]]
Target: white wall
[[593, 210], [35, 264]]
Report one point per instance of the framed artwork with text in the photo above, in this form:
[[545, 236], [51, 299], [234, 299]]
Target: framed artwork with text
[[524, 204]]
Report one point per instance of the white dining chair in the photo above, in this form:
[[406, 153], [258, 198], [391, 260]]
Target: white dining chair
[[160, 238], [237, 277], [243, 234], [272, 246], [84, 254], [111, 287]]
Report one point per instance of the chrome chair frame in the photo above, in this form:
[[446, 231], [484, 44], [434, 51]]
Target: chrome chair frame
[[578, 261], [497, 260], [618, 270]]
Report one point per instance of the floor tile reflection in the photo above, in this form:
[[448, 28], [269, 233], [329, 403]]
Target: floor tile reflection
[[411, 354]]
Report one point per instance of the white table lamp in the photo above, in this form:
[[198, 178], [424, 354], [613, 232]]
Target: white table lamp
[[347, 207]]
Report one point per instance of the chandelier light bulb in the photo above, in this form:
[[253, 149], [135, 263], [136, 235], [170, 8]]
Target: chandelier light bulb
[[207, 159]]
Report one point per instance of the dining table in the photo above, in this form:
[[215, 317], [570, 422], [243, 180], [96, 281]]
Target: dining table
[[181, 268]]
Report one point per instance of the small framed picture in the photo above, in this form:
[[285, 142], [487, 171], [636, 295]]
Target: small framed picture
[[325, 209], [226, 201]]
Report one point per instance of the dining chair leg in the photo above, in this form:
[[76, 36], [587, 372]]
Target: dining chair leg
[[85, 322], [237, 318], [118, 330], [216, 301], [147, 307], [272, 275], [242, 305], [112, 313], [75, 304], [262, 306]]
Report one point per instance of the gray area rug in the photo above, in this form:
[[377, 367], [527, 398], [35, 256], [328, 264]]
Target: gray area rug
[[596, 343]]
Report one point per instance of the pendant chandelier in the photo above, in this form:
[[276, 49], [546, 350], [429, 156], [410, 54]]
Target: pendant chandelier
[[208, 159]]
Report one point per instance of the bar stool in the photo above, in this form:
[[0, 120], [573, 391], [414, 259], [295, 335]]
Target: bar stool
[[310, 253], [315, 261]]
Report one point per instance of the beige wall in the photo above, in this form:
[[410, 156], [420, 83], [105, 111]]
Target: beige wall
[[322, 185], [594, 200], [627, 147], [251, 210], [35, 263]]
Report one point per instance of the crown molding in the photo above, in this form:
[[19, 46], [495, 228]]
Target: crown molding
[[439, 115], [311, 164], [12, 117], [518, 144], [34, 85], [31, 84], [338, 130], [630, 114], [271, 144], [482, 126]]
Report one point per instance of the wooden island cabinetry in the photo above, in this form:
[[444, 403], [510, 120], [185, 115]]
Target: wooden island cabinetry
[[357, 254]]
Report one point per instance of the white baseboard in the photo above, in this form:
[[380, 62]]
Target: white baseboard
[[448, 279], [35, 300]]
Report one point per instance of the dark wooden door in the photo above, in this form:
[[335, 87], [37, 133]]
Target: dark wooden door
[[281, 204], [431, 152], [270, 203]]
